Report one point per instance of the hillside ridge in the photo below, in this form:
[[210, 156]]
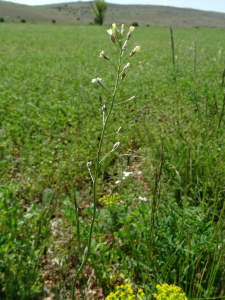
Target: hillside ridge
[[68, 13]]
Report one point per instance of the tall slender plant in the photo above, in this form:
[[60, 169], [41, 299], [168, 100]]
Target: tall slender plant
[[117, 38], [99, 10]]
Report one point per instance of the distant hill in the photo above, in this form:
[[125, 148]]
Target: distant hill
[[68, 13]]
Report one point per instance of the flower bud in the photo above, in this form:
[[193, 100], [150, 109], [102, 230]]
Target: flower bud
[[97, 80], [122, 30], [112, 33], [129, 33], [124, 46], [103, 55], [113, 39], [116, 146], [126, 67], [104, 109], [136, 49], [114, 27]]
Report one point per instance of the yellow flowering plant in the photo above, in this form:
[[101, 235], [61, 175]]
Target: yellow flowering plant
[[109, 199], [125, 292], [169, 292]]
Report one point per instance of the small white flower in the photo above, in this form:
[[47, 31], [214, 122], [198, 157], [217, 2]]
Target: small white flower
[[114, 27], [143, 199], [110, 32], [127, 174], [126, 67], [116, 146], [136, 49], [97, 80], [113, 33], [129, 33], [103, 55], [104, 109], [124, 46], [118, 181]]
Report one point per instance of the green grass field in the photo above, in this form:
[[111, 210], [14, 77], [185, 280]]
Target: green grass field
[[172, 140]]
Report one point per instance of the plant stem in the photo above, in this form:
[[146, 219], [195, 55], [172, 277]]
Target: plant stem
[[95, 181]]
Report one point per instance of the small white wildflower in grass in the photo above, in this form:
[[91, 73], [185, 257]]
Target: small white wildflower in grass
[[136, 49], [116, 146], [118, 181], [127, 174], [143, 199], [103, 55], [104, 108], [97, 80]]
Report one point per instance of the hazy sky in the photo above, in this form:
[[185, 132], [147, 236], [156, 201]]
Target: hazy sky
[[213, 5]]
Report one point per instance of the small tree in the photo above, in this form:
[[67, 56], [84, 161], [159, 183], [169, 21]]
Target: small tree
[[99, 10], [2, 20]]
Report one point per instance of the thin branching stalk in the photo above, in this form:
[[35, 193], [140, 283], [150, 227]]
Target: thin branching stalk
[[223, 77], [222, 112], [95, 181], [195, 59], [116, 37]]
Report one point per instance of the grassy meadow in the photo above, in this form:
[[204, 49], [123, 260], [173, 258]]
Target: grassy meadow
[[165, 223]]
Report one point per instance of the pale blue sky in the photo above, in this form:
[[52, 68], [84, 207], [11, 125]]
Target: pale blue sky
[[213, 5]]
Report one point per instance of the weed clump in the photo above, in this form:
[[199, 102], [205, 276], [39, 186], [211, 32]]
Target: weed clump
[[107, 199], [125, 292], [169, 292]]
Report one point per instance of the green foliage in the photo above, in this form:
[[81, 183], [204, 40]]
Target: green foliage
[[99, 10], [23, 21], [2, 20], [21, 246]]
